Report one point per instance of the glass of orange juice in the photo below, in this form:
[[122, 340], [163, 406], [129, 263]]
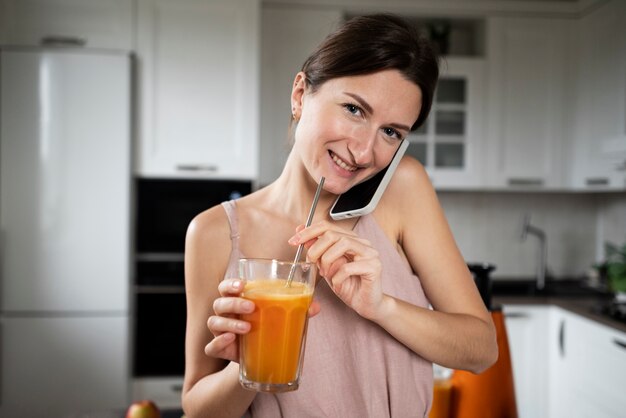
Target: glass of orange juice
[[271, 354]]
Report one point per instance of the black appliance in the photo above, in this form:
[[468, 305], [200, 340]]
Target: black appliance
[[482, 278], [164, 208]]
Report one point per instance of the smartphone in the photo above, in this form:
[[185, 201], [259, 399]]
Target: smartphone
[[363, 197]]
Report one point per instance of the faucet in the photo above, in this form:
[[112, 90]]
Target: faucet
[[528, 229]]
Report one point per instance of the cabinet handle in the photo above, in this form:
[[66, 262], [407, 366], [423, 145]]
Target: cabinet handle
[[524, 182], [514, 315], [597, 181], [197, 167], [55, 40], [619, 343], [157, 257], [562, 338]]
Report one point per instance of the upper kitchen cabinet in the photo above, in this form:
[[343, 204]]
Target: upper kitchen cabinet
[[198, 71], [449, 143], [289, 35], [529, 73], [92, 23], [599, 129]]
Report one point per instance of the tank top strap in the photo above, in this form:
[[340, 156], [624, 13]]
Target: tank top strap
[[231, 213], [230, 208]]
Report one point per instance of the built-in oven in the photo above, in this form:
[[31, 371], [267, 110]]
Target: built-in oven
[[164, 208]]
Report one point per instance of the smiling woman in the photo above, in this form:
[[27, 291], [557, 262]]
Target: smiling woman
[[373, 336]]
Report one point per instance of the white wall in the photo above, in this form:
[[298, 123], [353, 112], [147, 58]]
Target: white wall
[[486, 226]]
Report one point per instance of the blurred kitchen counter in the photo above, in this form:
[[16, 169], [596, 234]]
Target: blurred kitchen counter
[[572, 295]]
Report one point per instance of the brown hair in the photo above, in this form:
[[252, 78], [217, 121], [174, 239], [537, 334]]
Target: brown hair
[[372, 43]]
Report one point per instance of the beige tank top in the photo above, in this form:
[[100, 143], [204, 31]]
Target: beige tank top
[[352, 367]]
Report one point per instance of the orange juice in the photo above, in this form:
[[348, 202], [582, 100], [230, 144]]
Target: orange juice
[[271, 351]]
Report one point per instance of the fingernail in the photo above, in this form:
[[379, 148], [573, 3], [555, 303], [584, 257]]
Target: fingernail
[[228, 336], [294, 240], [247, 306], [237, 285], [242, 326]]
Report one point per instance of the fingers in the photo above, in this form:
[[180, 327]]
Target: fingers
[[367, 270], [314, 309], [230, 287], [332, 247], [232, 305], [219, 344], [227, 309], [221, 324]]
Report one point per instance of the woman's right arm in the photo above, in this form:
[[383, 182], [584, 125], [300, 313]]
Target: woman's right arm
[[211, 386]]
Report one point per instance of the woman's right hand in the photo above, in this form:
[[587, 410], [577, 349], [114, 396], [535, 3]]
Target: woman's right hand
[[225, 324]]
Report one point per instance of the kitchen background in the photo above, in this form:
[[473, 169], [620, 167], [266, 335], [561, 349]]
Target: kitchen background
[[530, 119]]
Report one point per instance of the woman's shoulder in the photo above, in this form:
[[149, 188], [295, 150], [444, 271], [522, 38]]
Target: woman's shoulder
[[209, 224], [408, 182], [408, 189], [410, 171], [207, 248]]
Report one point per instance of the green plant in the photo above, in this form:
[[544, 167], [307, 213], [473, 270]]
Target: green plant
[[616, 266]]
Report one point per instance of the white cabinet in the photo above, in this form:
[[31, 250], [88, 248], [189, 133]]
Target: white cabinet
[[289, 35], [527, 329], [63, 366], [528, 62], [450, 144], [589, 369], [599, 160], [565, 365], [92, 23], [198, 70]]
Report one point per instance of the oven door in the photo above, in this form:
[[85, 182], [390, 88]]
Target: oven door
[[164, 208], [159, 348]]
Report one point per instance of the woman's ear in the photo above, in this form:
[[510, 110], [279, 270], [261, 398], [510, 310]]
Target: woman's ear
[[297, 95]]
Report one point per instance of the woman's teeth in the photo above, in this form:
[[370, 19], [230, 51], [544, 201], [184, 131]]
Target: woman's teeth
[[341, 163]]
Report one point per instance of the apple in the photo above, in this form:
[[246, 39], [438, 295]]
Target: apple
[[143, 409]]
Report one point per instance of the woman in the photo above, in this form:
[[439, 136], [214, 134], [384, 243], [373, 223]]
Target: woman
[[373, 339]]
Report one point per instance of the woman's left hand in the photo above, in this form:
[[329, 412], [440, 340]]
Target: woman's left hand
[[350, 265]]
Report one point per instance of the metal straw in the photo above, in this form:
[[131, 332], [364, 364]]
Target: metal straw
[[308, 223]]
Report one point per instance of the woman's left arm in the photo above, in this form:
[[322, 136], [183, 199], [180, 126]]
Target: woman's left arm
[[458, 332]]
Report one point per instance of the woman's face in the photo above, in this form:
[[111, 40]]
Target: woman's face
[[350, 128]]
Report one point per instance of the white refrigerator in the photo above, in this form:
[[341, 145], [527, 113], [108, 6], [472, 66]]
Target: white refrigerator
[[65, 185]]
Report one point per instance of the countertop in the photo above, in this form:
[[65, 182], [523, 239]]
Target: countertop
[[571, 295]]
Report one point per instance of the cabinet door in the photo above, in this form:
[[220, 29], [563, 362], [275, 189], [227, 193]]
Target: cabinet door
[[198, 78], [600, 364], [289, 35], [527, 328], [589, 369], [92, 23], [63, 366], [600, 125], [449, 143], [527, 68]]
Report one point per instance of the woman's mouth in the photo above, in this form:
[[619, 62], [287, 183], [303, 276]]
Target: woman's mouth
[[341, 163]]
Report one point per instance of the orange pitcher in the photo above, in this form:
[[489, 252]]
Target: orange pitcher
[[490, 394]]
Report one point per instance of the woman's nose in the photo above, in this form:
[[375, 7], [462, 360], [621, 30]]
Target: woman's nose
[[362, 148]]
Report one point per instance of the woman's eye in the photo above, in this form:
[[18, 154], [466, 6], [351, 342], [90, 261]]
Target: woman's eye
[[392, 133], [354, 109]]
